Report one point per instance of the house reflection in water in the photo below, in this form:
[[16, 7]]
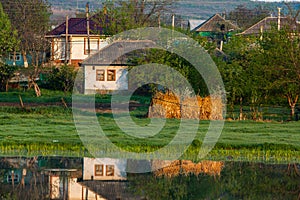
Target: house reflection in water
[[101, 178], [104, 169], [106, 178]]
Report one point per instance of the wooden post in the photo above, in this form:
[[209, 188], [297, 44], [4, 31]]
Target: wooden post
[[70, 50], [66, 43], [88, 27], [21, 101], [221, 45]]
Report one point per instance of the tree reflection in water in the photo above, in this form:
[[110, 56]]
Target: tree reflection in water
[[237, 180]]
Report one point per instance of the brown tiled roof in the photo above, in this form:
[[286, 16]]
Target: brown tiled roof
[[214, 24], [76, 26], [267, 23], [117, 49]]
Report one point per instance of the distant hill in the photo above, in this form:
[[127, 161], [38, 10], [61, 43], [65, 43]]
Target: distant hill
[[187, 9]]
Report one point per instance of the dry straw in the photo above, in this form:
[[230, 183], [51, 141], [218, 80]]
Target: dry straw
[[187, 167], [169, 105]]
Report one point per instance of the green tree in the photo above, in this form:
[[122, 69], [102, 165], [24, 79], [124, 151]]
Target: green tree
[[280, 55], [31, 19], [119, 16], [8, 36], [6, 72], [245, 17], [61, 78], [243, 77]]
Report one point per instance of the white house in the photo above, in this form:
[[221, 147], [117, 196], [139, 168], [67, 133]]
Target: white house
[[106, 70], [73, 34]]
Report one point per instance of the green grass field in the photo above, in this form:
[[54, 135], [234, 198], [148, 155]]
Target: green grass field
[[51, 131]]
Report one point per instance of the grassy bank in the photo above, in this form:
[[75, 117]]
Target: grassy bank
[[51, 131]]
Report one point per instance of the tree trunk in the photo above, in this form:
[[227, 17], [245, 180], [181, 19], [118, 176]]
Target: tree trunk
[[37, 89], [241, 108], [292, 104], [25, 59], [6, 85]]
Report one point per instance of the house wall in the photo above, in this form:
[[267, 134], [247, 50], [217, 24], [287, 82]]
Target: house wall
[[78, 192], [19, 59], [74, 189], [77, 47], [119, 168], [92, 85]]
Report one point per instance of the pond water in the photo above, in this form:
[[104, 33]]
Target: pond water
[[107, 178]]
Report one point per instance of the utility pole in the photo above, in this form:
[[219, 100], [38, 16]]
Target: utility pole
[[279, 21], [173, 21], [67, 38], [88, 27], [159, 19]]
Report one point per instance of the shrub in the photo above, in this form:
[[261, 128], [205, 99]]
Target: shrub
[[6, 72], [61, 78]]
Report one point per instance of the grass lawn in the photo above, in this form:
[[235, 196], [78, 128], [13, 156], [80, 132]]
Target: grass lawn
[[50, 130]]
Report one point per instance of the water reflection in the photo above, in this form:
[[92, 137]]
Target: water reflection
[[106, 178]]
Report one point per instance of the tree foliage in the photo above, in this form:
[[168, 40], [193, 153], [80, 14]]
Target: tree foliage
[[280, 58], [119, 16], [245, 17], [6, 72], [31, 19], [8, 36], [61, 78]]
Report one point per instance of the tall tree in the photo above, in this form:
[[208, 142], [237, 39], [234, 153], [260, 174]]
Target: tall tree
[[31, 19], [119, 16], [281, 59], [8, 36], [245, 17]]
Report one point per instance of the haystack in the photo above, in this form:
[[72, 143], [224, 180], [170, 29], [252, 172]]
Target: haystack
[[168, 105], [191, 107], [165, 105]]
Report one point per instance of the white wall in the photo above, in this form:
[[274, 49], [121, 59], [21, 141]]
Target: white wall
[[91, 85], [75, 190], [119, 168], [76, 47]]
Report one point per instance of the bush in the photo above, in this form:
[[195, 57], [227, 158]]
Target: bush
[[61, 78], [6, 72]]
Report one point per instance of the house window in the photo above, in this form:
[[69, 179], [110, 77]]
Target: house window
[[94, 45], [98, 170], [18, 56], [110, 169], [111, 75], [100, 75], [10, 178]]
